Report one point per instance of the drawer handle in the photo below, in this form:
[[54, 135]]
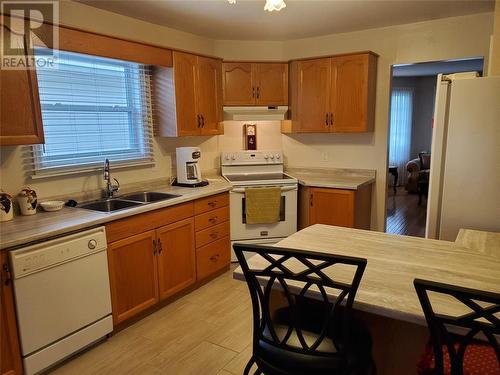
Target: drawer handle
[[214, 234], [213, 219], [212, 204], [214, 258]]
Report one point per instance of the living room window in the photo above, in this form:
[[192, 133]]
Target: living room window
[[93, 108], [400, 127]]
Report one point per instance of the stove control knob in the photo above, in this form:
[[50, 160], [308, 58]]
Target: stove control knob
[[233, 157], [227, 157], [272, 157], [266, 156], [278, 156]]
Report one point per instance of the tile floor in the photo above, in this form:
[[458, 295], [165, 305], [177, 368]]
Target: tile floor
[[209, 331]]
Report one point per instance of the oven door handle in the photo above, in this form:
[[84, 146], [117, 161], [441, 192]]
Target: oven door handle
[[283, 189]]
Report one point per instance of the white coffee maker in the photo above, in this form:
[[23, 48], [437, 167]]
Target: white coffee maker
[[188, 169]]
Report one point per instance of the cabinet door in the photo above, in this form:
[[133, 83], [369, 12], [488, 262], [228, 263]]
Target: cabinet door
[[10, 356], [271, 83], [331, 207], [313, 95], [133, 275], [209, 94], [20, 114], [185, 71], [176, 257], [352, 93], [239, 88]]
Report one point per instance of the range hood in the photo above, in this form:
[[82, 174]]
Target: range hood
[[255, 113]]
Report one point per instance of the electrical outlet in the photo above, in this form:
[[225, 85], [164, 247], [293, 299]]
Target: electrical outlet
[[324, 156]]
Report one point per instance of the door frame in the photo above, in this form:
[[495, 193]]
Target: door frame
[[432, 145]]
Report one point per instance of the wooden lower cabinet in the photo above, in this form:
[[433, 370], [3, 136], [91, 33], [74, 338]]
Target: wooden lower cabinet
[[133, 274], [339, 207], [213, 257], [176, 257], [10, 355], [175, 249]]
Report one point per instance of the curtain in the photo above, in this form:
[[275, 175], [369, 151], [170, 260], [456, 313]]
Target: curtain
[[400, 130]]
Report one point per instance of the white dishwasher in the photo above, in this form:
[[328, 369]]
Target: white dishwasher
[[62, 297]]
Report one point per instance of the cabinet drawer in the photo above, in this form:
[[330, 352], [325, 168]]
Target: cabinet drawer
[[213, 257], [211, 234], [211, 203], [211, 218], [123, 228]]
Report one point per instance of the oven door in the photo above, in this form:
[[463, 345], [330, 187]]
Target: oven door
[[287, 225]]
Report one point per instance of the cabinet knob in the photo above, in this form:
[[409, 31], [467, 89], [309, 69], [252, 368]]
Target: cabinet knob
[[214, 258], [213, 219], [212, 203]]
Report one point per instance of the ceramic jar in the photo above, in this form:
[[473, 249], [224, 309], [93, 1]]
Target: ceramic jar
[[6, 207], [27, 201]]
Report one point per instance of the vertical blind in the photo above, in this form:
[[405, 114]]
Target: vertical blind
[[400, 129], [93, 108]]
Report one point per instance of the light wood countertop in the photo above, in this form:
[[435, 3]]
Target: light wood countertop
[[335, 178], [25, 229], [393, 263]]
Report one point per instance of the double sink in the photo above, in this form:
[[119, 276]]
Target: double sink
[[127, 201]]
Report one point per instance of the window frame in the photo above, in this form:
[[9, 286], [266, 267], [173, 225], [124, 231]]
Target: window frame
[[140, 154]]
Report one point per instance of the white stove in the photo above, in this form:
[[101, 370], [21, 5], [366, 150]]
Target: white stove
[[246, 169]]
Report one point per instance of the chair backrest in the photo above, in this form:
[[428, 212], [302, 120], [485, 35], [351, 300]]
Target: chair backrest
[[425, 160], [483, 318], [300, 275]]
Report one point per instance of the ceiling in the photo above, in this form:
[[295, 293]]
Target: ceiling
[[246, 20], [434, 68]]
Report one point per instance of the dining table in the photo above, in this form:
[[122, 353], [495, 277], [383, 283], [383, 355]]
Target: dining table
[[386, 299]]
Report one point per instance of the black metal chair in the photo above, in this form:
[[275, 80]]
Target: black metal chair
[[461, 354], [310, 332]]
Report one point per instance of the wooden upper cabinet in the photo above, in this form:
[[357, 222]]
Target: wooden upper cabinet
[[311, 95], [238, 84], [247, 83], [209, 94], [353, 93], [271, 83], [188, 96], [133, 275], [20, 113], [185, 76], [333, 94], [10, 356], [176, 257]]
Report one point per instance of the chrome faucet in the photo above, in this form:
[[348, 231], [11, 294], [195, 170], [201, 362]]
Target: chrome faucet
[[110, 187]]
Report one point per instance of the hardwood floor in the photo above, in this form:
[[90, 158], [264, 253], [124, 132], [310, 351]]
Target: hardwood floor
[[404, 215], [208, 331]]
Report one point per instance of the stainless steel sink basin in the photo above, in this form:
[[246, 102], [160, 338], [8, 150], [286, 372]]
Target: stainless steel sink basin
[[148, 196], [109, 205]]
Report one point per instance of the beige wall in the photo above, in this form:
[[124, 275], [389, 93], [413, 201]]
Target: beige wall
[[495, 43], [426, 41]]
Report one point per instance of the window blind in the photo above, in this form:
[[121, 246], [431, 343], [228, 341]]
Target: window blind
[[93, 108]]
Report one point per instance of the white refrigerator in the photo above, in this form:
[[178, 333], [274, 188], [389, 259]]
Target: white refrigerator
[[464, 187]]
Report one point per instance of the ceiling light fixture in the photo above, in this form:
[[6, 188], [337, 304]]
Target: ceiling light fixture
[[276, 5], [271, 5]]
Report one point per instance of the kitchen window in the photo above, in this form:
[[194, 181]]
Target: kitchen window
[[93, 108]]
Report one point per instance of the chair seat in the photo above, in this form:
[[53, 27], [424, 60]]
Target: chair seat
[[354, 359], [479, 359]]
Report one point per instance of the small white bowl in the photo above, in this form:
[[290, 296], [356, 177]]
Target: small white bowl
[[52, 205]]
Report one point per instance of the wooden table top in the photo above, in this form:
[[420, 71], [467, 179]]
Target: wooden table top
[[394, 261]]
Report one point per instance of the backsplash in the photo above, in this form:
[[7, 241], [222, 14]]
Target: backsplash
[[86, 185]]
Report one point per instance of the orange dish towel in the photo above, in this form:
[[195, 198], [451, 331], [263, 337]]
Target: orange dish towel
[[263, 205]]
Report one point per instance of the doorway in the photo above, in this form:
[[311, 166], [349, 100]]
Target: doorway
[[411, 118]]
